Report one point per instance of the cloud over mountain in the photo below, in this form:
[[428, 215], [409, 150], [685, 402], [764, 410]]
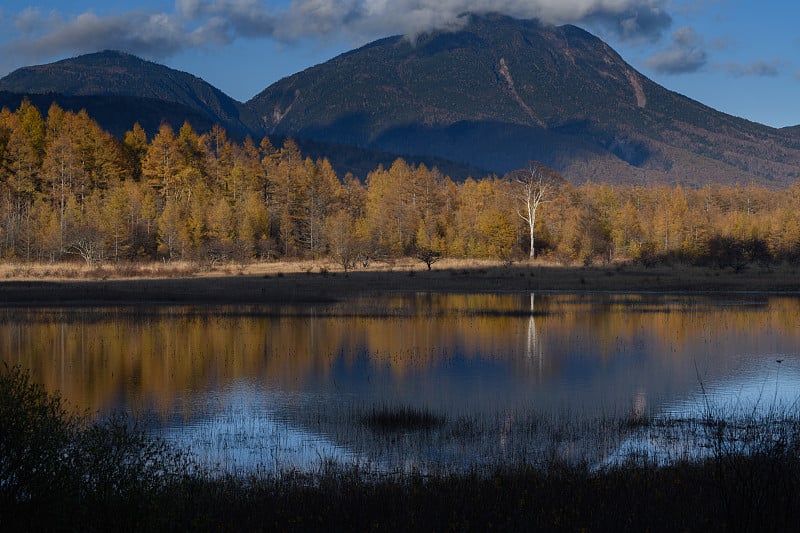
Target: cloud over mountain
[[192, 23], [150, 34]]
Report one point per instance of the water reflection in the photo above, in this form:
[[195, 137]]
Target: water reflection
[[266, 377], [764, 390], [243, 430]]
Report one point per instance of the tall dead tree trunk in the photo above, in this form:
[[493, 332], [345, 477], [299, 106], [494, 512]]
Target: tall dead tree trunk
[[531, 188]]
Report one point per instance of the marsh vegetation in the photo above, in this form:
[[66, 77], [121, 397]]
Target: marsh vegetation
[[60, 471]]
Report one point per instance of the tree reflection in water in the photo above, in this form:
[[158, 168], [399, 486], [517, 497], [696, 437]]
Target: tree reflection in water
[[494, 366]]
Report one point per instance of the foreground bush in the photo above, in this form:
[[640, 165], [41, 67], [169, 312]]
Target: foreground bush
[[36, 442], [59, 471]]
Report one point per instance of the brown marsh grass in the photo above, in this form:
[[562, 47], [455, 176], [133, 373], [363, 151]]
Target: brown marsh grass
[[324, 281]]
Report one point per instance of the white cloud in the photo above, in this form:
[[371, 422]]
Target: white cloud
[[678, 61], [26, 21], [627, 18], [150, 34], [686, 37], [685, 54], [757, 68], [188, 8], [31, 21]]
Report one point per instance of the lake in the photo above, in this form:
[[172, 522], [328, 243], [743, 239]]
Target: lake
[[504, 377]]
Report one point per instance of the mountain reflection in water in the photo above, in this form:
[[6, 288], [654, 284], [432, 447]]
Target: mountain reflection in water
[[288, 387]]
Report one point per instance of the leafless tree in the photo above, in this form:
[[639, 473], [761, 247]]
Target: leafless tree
[[88, 245], [530, 188]]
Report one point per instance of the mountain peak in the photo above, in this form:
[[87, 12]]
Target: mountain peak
[[109, 54], [109, 57], [113, 73], [496, 92], [109, 72]]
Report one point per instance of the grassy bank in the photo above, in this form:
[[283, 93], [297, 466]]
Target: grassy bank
[[311, 281], [60, 472]]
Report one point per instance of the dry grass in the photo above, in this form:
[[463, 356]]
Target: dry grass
[[20, 271], [80, 271], [324, 281]]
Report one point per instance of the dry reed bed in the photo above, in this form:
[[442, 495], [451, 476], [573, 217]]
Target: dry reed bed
[[321, 281]]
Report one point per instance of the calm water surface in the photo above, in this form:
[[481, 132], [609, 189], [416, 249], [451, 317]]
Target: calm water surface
[[510, 376]]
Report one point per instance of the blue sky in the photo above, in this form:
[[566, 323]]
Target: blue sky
[[740, 57]]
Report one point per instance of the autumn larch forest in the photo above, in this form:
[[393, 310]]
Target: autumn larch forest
[[71, 191]]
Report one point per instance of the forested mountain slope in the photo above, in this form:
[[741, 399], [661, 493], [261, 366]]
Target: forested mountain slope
[[502, 91]]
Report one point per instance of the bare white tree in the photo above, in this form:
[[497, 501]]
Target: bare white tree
[[530, 188], [89, 247]]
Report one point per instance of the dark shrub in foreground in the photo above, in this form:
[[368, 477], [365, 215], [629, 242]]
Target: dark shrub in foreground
[[36, 443], [59, 472]]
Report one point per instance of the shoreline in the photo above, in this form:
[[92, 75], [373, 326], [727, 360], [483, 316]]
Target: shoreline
[[316, 283]]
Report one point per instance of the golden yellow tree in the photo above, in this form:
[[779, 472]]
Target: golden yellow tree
[[135, 143], [160, 164], [391, 210], [315, 197]]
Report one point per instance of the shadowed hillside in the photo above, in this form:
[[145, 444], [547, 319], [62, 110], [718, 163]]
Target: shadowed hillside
[[116, 74], [502, 91]]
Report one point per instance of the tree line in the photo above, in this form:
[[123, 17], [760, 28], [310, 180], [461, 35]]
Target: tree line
[[68, 189]]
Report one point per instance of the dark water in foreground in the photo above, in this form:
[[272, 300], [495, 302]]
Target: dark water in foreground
[[510, 376]]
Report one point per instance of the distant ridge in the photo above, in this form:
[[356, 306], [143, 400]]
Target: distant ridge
[[117, 114], [117, 74]]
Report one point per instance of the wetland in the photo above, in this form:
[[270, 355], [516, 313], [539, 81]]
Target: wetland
[[463, 398]]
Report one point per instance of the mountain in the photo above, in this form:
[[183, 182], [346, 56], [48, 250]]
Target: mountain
[[489, 97], [500, 92], [110, 79], [119, 89]]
